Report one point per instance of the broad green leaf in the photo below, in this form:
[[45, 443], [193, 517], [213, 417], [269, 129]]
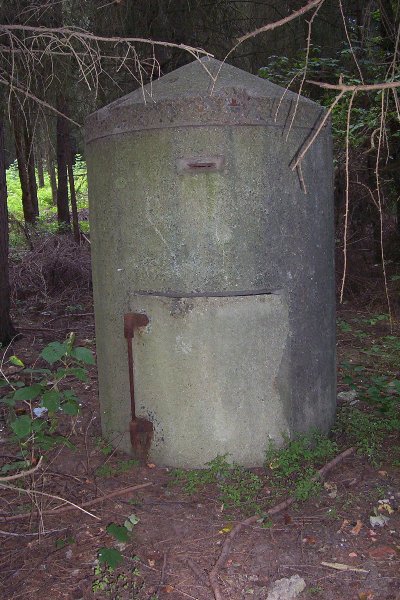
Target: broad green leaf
[[29, 392], [79, 372], [51, 400], [22, 426], [14, 360], [71, 407], [3, 383], [110, 556], [120, 533], [84, 355], [131, 521], [38, 425], [54, 352], [38, 371], [45, 441]]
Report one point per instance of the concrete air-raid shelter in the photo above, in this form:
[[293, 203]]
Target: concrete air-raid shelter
[[201, 227]]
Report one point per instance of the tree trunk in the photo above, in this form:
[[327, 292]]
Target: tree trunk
[[39, 165], [29, 204], [51, 170], [30, 161], [74, 208], [63, 215], [7, 331]]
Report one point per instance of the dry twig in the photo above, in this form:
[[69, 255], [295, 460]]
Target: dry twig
[[294, 15], [22, 473], [72, 506]]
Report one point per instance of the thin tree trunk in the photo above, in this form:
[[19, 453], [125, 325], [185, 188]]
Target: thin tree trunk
[[7, 331], [39, 165], [63, 216], [30, 161], [74, 208], [51, 170], [28, 206]]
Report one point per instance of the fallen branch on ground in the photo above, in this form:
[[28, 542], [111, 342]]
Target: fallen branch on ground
[[22, 473], [213, 574], [71, 506]]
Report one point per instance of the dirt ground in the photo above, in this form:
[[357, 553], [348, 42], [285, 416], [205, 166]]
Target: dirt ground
[[49, 552]]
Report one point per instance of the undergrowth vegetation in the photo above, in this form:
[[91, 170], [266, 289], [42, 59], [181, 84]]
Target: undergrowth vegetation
[[20, 232], [37, 397]]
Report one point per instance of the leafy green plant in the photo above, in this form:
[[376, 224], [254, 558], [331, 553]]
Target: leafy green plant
[[104, 446], [37, 397], [344, 326], [238, 487], [115, 583], [294, 466], [366, 431], [110, 559], [219, 468], [240, 490]]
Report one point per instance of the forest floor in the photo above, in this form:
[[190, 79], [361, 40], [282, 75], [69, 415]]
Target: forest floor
[[341, 536]]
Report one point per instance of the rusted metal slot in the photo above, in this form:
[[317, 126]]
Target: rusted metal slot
[[210, 164]]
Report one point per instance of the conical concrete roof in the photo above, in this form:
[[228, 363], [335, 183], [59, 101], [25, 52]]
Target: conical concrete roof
[[203, 92], [207, 77]]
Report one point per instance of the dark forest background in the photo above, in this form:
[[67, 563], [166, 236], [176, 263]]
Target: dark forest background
[[62, 59]]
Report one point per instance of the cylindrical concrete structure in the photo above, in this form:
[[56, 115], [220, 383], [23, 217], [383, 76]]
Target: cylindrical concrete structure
[[198, 220]]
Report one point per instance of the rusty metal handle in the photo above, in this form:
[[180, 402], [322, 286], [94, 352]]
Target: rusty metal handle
[[131, 322]]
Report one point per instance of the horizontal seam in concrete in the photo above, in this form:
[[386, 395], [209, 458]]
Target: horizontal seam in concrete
[[90, 139], [228, 294]]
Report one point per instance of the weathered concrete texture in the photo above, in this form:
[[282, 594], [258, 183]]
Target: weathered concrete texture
[[204, 92], [244, 228], [208, 380]]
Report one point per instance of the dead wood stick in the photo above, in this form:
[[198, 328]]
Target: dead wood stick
[[200, 574], [22, 473], [369, 87], [63, 509], [162, 578], [213, 574]]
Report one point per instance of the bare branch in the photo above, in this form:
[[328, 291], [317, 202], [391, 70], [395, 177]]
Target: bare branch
[[347, 194], [28, 94], [387, 85], [310, 142], [81, 34], [294, 15]]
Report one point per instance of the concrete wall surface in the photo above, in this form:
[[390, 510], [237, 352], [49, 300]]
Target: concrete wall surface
[[233, 264]]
